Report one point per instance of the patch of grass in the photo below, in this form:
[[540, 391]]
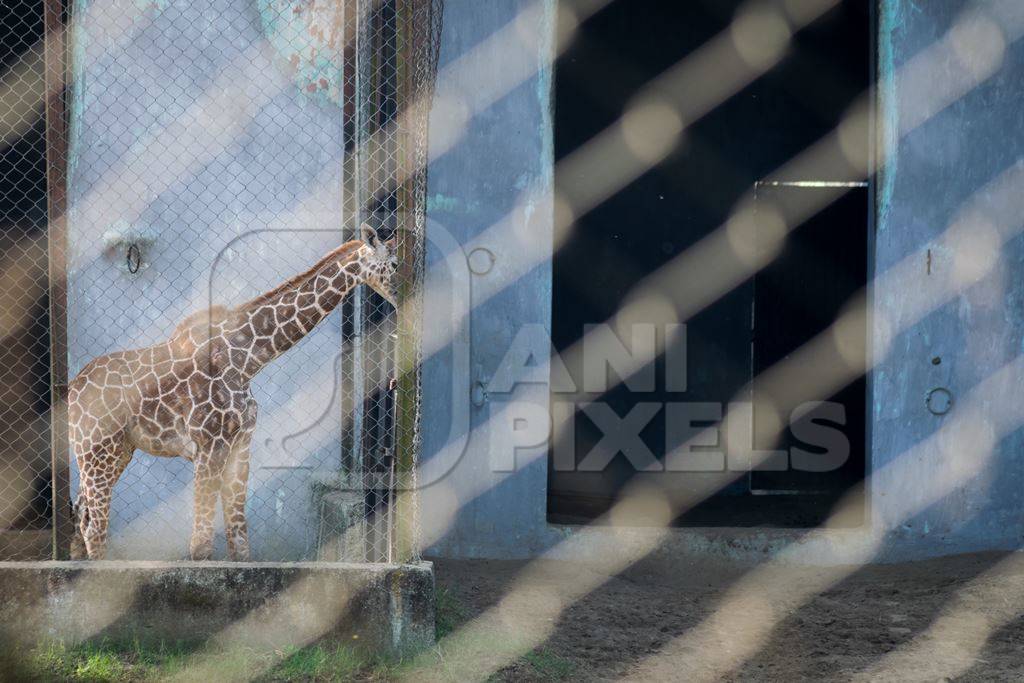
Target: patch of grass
[[119, 662], [102, 661], [550, 666], [103, 666], [319, 663], [448, 612]]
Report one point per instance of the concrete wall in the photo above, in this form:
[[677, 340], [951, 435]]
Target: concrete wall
[[951, 196], [382, 608], [947, 312], [489, 192]]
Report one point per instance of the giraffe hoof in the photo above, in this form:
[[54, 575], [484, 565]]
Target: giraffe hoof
[[201, 552], [238, 552]]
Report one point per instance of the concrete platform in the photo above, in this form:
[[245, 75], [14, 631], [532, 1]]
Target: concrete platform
[[380, 607]]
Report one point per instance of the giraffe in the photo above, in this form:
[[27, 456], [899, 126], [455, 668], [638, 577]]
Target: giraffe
[[189, 396]]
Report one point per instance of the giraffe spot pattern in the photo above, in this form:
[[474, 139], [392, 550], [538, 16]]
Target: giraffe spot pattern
[[190, 397]]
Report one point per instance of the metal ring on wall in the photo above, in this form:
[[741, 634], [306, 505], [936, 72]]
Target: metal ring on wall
[[939, 401], [134, 258], [481, 260]]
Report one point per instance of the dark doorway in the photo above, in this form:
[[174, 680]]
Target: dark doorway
[[737, 147]]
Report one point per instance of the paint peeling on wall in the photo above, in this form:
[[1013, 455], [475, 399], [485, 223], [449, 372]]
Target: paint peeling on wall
[[890, 20], [310, 37], [152, 5], [78, 90], [450, 204], [545, 91], [97, 28]]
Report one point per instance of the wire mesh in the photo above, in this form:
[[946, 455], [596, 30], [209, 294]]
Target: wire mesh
[[394, 62], [214, 150], [26, 493]]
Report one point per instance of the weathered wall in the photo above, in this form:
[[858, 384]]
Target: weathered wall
[[950, 207], [488, 192], [947, 311]]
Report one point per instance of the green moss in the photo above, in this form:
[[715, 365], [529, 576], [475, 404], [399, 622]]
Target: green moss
[[448, 612], [549, 666]]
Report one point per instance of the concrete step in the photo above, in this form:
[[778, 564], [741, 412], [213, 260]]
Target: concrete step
[[274, 605]]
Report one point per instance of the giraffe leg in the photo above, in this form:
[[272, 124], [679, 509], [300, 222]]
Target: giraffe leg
[[96, 520], [99, 471], [209, 468], [233, 488], [80, 522]]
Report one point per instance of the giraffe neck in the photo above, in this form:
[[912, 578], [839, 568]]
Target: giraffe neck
[[275, 321]]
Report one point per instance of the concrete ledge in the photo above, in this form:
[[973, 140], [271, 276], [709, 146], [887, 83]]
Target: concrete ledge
[[379, 607]]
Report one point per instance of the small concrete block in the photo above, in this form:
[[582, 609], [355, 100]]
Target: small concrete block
[[342, 533]]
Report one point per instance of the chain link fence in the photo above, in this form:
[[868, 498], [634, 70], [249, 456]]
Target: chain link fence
[[26, 503], [214, 150]]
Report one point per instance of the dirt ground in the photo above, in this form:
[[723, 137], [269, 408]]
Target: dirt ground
[[959, 618]]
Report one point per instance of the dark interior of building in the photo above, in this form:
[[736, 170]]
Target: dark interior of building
[[730, 153], [24, 302]]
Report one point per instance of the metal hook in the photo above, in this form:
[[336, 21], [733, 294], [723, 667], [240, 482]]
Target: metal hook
[[134, 262]]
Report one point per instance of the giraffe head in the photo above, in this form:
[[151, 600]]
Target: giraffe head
[[381, 263]]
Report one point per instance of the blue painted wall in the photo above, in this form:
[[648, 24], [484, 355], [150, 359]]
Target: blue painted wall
[[487, 191], [958, 173], [193, 137]]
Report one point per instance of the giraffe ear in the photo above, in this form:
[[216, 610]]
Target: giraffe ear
[[368, 235]]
